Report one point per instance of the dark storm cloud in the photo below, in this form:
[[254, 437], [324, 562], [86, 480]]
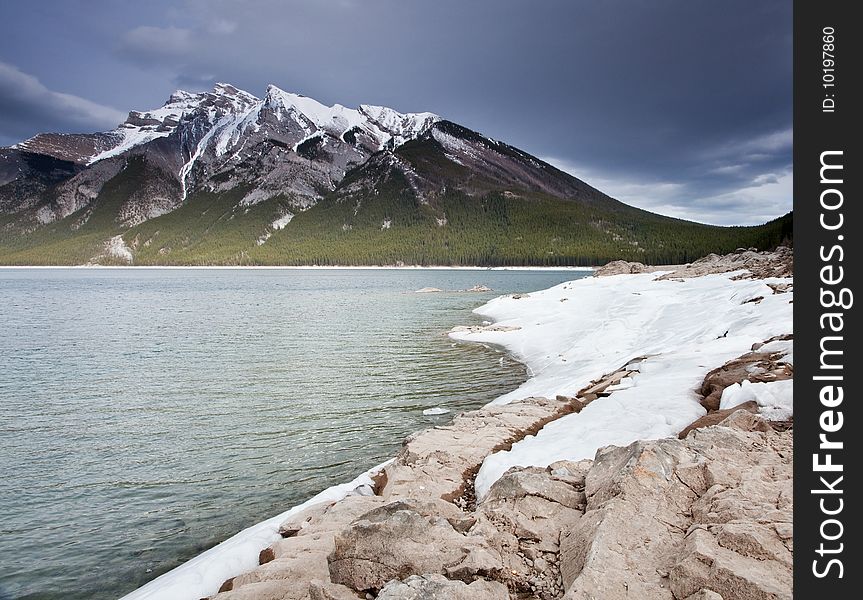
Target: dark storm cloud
[[680, 106], [27, 107]]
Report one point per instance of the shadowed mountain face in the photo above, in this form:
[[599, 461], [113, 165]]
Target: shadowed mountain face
[[224, 177]]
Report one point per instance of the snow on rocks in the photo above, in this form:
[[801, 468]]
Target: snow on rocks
[[684, 327], [384, 125], [661, 519], [776, 398], [282, 221], [143, 127]]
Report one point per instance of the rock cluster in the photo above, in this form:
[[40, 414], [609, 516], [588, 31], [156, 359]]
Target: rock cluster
[[622, 267], [708, 516], [704, 517], [760, 265]]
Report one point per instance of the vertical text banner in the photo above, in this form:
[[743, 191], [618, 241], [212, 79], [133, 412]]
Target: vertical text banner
[[828, 430]]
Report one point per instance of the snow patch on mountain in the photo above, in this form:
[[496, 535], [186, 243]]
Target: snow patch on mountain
[[116, 248], [282, 221], [234, 129], [400, 127], [455, 146], [382, 124], [143, 127]]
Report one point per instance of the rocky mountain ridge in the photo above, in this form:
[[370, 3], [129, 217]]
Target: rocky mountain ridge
[[225, 177], [215, 141]]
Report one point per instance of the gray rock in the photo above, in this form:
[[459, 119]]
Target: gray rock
[[438, 587], [324, 590], [706, 517], [396, 540]]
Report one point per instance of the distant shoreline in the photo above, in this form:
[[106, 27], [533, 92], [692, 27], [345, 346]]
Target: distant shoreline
[[298, 267]]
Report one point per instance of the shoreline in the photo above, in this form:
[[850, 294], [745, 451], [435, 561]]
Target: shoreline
[[297, 268], [515, 330]]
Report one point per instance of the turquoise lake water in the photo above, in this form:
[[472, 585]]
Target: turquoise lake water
[[148, 414]]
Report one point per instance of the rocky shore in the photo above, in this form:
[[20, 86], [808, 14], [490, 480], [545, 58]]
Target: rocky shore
[[708, 516], [700, 511]]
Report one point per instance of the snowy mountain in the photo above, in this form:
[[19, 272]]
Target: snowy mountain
[[217, 140], [219, 176]]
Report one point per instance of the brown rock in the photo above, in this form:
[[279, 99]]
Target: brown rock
[[752, 366], [266, 556], [716, 417], [706, 564], [437, 462], [759, 265]]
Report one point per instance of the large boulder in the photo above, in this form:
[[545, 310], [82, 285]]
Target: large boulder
[[707, 562], [533, 504], [621, 267], [397, 540]]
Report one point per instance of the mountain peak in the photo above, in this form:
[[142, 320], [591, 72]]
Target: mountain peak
[[233, 111], [179, 96], [226, 89]]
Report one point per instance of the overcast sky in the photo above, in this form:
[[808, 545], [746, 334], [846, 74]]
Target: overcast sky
[[682, 107]]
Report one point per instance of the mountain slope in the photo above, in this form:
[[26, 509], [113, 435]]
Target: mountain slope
[[223, 177]]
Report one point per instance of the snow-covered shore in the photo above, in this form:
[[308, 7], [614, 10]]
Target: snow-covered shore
[[202, 575], [669, 333], [672, 332]]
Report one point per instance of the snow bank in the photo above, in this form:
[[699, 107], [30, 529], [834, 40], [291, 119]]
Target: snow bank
[[203, 575], [774, 397], [676, 331]]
